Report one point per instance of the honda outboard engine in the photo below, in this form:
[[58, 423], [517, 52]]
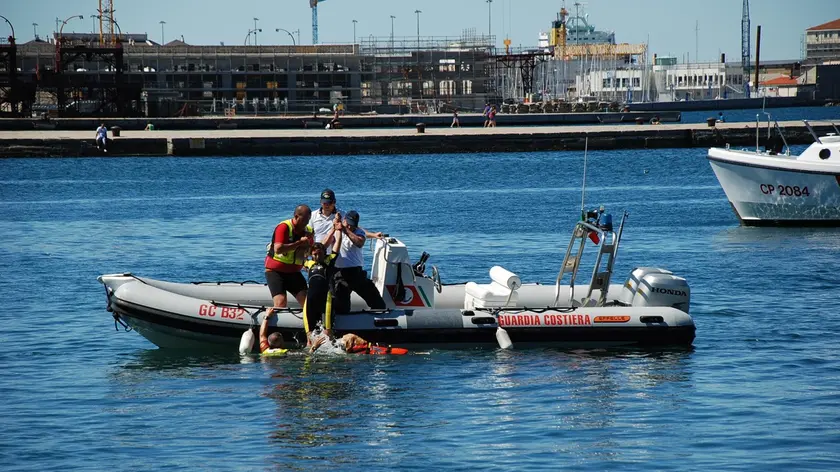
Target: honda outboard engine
[[659, 289], [631, 286]]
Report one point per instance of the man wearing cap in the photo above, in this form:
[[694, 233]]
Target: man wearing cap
[[349, 276], [285, 256], [322, 220]]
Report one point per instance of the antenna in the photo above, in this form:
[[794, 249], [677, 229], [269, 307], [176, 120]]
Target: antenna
[[583, 189]]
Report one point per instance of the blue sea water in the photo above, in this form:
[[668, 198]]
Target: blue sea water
[[779, 114], [759, 390]]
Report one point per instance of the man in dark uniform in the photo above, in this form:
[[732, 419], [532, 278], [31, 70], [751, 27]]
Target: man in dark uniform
[[350, 277]]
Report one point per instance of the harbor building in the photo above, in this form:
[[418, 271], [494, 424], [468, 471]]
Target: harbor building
[[822, 42], [75, 75]]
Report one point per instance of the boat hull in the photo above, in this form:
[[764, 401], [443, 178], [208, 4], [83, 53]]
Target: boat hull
[[177, 321], [763, 192]]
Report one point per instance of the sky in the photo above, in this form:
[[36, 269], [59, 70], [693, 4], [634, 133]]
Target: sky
[[682, 28]]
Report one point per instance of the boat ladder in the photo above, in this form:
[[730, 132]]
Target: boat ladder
[[608, 242]]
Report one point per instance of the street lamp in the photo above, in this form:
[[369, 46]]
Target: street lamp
[[277, 30], [93, 19], [392, 30], [418, 12], [255, 30], [35, 30], [250, 32], [354, 30], [12, 37], [61, 30], [161, 31]]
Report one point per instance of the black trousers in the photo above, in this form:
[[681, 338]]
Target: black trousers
[[354, 279], [316, 302]]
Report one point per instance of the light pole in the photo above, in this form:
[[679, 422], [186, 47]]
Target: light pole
[[277, 30], [418, 12], [489, 17], [161, 31], [93, 23], [35, 29], [12, 37], [250, 32], [255, 31], [354, 30], [61, 30], [392, 30]]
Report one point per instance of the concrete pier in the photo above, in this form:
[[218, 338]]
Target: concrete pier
[[299, 121], [235, 142]]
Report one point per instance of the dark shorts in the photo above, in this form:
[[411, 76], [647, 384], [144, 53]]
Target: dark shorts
[[281, 282]]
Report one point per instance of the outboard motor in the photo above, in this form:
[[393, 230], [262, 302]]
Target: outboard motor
[[659, 289], [631, 286]]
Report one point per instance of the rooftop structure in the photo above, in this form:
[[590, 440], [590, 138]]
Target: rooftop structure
[[388, 75], [822, 42]]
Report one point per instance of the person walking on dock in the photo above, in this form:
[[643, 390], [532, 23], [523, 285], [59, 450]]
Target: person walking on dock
[[486, 114], [491, 117], [456, 123], [102, 137]]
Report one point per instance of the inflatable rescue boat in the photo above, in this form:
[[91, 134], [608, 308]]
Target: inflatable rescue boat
[[649, 308]]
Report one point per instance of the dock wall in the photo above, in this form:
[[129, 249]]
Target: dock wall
[[340, 142]]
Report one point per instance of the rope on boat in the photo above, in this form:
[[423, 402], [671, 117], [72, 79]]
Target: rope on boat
[[515, 310], [296, 312], [117, 319], [235, 282]]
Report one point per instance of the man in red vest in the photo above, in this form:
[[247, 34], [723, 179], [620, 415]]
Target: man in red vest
[[285, 256]]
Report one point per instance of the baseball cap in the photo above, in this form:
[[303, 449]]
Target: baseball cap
[[327, 196], [352, 218]]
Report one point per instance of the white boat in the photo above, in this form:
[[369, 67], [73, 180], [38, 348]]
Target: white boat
[[770, 187], [649, 308]]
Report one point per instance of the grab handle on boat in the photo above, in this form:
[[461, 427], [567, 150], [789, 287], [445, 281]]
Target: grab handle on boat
[[385, 322], [651, 319]]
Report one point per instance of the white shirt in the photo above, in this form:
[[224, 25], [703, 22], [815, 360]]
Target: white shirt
[[350, 255], [322, 225]]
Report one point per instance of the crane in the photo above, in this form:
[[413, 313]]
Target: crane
[[313, 4], [558, 33], [106, 22], [745, 37]]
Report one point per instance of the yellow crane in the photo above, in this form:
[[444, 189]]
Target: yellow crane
[[106, 22], [558, 33]]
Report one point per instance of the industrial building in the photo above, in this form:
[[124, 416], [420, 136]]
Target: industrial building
[[822, 42], [415, 74]]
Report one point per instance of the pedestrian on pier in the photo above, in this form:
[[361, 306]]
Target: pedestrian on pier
[[491, 117], [456, 123], [102, 137]]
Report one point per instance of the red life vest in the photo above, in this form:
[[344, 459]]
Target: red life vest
[[377, 349]]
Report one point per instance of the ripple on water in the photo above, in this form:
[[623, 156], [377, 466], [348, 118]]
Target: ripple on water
[[759, 389]]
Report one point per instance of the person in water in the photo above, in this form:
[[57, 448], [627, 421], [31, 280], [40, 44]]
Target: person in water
[[269, 343], [354, 344], [272, 344]]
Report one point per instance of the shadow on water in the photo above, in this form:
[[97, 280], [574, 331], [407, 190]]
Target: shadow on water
[[172, 359]]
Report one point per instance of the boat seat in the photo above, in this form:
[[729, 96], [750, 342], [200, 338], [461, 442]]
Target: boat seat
[[490, 295]]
